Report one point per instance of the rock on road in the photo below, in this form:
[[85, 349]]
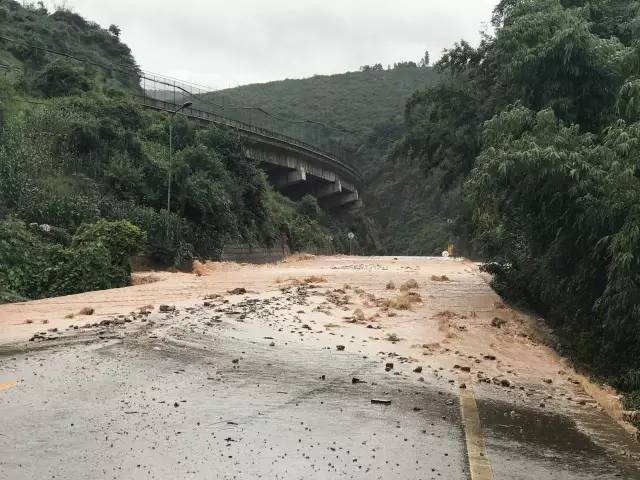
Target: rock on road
[[317, 367]]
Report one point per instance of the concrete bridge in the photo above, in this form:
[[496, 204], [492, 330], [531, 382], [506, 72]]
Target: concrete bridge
[[294, 167]]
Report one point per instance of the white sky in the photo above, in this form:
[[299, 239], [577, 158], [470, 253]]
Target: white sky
[[223, 43]]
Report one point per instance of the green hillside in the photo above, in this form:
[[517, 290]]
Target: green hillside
[[28, 32], [358, 115], [333, 111], [85, 172]]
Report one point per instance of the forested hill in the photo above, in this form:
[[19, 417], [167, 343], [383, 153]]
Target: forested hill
[[330, 110], [360, 115], [28, 33], [85, 172]]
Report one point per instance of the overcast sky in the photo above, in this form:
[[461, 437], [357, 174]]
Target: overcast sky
[[222, 43]]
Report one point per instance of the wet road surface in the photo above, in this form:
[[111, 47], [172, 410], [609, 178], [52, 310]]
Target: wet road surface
[[247, 390]]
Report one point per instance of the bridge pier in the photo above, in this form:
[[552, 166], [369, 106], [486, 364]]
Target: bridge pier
[[341, 200], [327, 190], [290, 178]]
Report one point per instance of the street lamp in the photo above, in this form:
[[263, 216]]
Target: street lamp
[[171, 115]]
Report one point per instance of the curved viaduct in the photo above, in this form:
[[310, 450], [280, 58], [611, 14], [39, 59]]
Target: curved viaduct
[[294, 167]]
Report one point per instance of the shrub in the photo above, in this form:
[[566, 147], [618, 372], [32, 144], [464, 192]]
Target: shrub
[[32, 267], [23, 261], [61, 78], [121, 239], [89, 267]]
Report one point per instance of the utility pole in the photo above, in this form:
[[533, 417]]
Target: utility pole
[[171, 115]]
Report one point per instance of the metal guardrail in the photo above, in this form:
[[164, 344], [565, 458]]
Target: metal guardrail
[[249, 128]]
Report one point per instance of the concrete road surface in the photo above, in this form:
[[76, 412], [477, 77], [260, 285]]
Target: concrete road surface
[[296, 378]]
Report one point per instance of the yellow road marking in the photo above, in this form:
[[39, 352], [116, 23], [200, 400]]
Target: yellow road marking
[[479, 465], [8, 385]]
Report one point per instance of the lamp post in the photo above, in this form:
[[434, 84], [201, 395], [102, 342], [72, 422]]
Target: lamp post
[[171, 115]]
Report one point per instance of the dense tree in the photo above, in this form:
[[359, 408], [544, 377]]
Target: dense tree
[[539, 122], [114, 30]]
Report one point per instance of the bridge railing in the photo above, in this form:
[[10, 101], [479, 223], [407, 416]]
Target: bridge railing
[[162, 105]]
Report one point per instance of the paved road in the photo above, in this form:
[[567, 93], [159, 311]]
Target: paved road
[[243, 388]]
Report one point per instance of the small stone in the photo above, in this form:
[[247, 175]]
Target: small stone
[[237, 291], [417, 369], [498, 322], [388, 367], [166, 308], [340, 347]]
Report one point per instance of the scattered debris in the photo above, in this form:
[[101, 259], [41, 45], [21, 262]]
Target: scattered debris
[[498, 322], [139, 279], [401, 302], [392, 337], [358, 316], [439, 278], [314, 279], [409, 284], [237, 291]]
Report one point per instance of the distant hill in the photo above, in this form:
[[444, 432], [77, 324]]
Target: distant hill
[[363, 113], [332, 111]]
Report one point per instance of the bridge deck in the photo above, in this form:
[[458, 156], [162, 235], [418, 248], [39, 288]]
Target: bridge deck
[[336, 182]]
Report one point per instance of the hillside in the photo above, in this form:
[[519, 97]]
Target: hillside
[[360, 116], [62, 31], [333, 111], [85, 172]]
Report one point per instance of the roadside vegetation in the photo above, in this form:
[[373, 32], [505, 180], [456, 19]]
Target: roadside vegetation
[[539, 128], [84, 172]]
